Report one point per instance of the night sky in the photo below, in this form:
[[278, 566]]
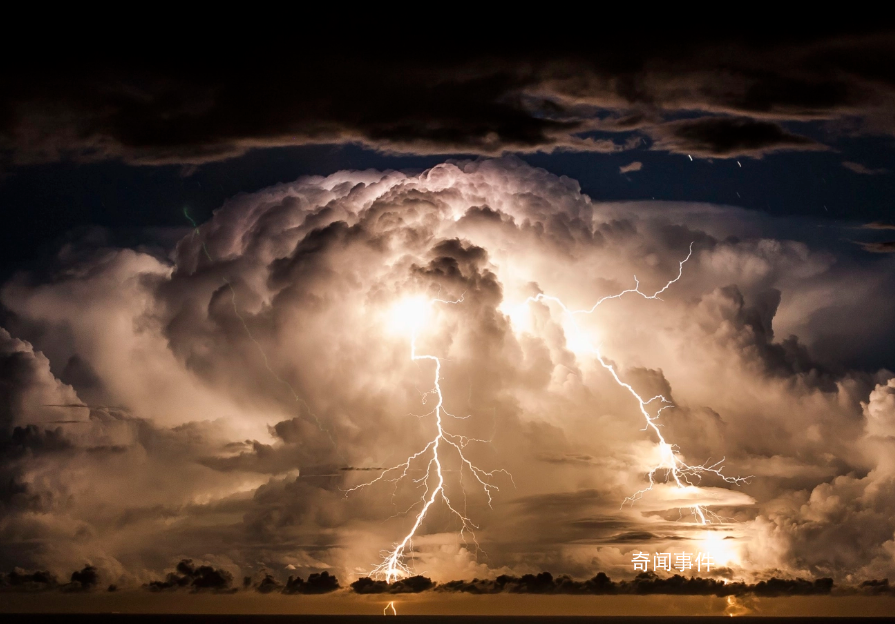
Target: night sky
[[555, 305]]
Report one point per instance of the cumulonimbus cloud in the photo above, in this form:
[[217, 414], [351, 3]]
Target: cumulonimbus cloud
[[258, 372]]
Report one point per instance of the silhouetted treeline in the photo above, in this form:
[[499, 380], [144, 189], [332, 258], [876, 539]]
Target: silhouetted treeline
[[643, 584], [412, 585], [186, 576], [196, 579], [84, 579], [190, 577], [321, 583], [876, 587]]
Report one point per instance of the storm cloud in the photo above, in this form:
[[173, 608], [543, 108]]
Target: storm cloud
[[214, 404], [727, 137], [603, 96]]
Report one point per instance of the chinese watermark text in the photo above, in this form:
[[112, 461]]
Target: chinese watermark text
[[663, 561]]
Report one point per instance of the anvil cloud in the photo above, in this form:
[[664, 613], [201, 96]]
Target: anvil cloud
[[213, 403]]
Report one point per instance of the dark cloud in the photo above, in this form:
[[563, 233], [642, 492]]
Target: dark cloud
[[727, 137], [33, 439], [263, 458], [190, 109], [639, 537], [24, 377], [567, 458], [156, 115], [784, 358]]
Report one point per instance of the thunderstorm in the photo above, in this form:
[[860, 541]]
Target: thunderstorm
[[415, 311]]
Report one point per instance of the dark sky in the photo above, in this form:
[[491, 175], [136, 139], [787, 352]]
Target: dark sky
[[41, 203]]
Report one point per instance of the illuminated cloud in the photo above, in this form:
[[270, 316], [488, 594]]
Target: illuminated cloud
[[880, 410], [877, 247], [215, 404], [859, 168]]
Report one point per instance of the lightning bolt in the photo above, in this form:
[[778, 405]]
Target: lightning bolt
[[391, 606], [393, 565], [676, 469]]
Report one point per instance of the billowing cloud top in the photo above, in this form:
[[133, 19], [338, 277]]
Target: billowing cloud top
[[215, 404]]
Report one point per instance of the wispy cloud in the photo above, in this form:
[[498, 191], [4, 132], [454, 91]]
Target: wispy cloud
[[859, 168], [877, 247]]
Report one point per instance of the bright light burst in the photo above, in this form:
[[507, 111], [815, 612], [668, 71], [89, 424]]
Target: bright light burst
[[722, 551], [408, 314]]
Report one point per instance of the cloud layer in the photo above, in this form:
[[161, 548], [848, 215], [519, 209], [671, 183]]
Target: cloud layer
[[712, 94]]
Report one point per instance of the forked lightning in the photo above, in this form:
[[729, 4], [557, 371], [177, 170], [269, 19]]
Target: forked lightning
[[676, 469], [393, 565]]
